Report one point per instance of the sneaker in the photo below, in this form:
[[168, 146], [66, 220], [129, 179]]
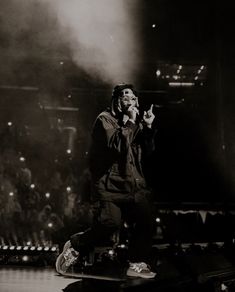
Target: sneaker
[[66, 259], [140, 270]]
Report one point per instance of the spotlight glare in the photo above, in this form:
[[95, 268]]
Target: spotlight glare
[[158, 219], [12, 247], [32, 248], [68, 189], [25, 258], [158, 73], [69, 151], [50, 225], [19, 247], [53, 248], [39, 248], [25, 248], [32, 186], [5, 247], [46, 248], [11, 194], [47, 195], [22, 158], [9, 124]]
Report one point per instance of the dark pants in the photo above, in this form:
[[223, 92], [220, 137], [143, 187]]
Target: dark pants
[[109, 218]]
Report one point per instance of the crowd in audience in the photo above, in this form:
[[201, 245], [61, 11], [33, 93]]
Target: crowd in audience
[[40, 201]]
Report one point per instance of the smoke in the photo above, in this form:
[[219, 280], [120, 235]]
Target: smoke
[[102, 35]]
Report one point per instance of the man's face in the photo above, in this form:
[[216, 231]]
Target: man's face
[[127, 99]]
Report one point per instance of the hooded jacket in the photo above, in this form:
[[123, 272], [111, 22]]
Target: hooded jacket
[[116, 156]]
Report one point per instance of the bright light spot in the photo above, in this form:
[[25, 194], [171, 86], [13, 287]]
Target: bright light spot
[[12, 247], [180, 67], [39, 248], [122, 246], [22, 158], [5, 247], [158, 219], [158, 73], [202, 67], [50, 225], [28, 243], [32, 248], [11, 194], [69, 96], [68, 151], [183, 84], [68, 189], [61, 63], [153, 25], [47, 195], [19, 247], [9, 124], [53, 248], [175, 77], [167, 76], [199, 71], [25, 258], [196, 78], [25, 248], [32, 186], [178, 71], [111, 252], [46, 248]]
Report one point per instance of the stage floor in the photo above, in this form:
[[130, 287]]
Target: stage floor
[[45, 279], [32, 279]]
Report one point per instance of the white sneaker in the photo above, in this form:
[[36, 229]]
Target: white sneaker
[[67, 258], [140, 270]]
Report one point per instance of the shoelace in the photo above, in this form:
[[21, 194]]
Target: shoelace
[[69, 257], [139, 267]]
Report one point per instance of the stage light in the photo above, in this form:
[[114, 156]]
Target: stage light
[[158, 73], [9, 124], [25, 248], [12, 247], [19, 247], [32, 186], [158, 220], [180, 67], [46, 248], [47, 195], [196, 78], [61, 63], [202, 67], [53, 248], [25, 258], [68, 189], [32, 248], [28, 243], [5, 247], [11, 194], [50, 225], [22, 159], [39, 248], [69, 151]]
